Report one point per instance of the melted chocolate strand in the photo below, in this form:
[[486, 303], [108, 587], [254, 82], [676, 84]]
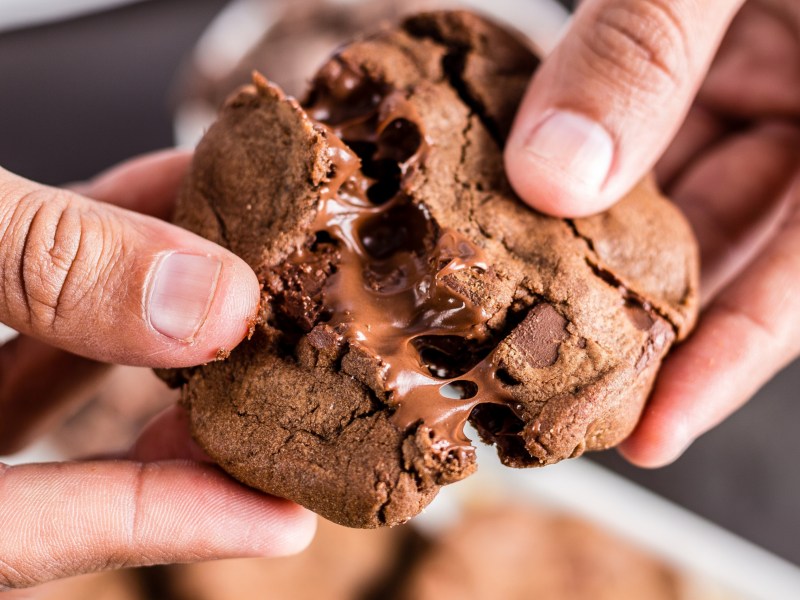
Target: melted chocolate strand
[[388, 293]]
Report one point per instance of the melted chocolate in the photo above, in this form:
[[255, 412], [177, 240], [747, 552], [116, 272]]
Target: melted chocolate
[[392, 301], [388, 293]]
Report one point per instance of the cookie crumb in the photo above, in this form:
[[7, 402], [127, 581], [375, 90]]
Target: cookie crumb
[[252, 323]]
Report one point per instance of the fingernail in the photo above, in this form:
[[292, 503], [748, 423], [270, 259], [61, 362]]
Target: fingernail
[[576, 144], [183, 289]]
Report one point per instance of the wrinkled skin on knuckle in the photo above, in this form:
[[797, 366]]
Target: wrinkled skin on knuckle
[[100, 272], [60, 256], [641, 45]]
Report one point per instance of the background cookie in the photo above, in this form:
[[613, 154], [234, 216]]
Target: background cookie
[[407, 290], [535, 554]]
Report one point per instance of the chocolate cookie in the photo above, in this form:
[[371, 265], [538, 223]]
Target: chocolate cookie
[[407, 291], [530, 554]]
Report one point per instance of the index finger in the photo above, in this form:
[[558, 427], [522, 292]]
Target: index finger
[[65, 519], [71, 518]]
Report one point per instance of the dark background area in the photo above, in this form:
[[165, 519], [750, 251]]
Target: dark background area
[[79, 96]]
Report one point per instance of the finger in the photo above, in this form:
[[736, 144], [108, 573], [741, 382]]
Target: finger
[[701, 130], [70, 518], [732, 197], [160, 441], [147, 184], [114, 285], [746, 335], [757, 72], [32, 405], [39, 386], [158, 512], [604, 106]]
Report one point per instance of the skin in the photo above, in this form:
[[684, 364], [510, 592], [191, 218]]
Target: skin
[[708, 98], [714, 107], [161, 502]]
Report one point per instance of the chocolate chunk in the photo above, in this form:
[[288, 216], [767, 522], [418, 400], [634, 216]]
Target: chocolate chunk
[[540, 336], [408, 291]]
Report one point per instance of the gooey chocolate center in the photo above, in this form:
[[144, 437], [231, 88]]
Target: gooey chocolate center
[[388, 292]]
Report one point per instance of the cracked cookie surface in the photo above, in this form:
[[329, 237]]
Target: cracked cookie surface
[[406, 290]]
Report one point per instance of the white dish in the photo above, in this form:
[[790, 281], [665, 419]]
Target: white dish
[[6, 334], [718, 563], [15, 14]]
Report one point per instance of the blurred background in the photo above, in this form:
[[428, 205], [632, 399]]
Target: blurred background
[[84, 88]]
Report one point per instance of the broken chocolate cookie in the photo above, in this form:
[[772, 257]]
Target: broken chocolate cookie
[[407, 291]]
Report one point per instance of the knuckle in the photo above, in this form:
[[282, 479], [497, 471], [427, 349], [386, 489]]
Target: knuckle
[[641, 44], [133, 544], [59, 253], [134, 525]]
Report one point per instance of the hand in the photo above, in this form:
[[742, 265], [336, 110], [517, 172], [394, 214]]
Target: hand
[[84, 281], [610, 102]]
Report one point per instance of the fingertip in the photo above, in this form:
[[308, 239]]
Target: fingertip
[[546, 188], [214, 516], [203, 302], [233, 310], [648, 458], [270, 526], [560, 164], [294, 534], [658, 441]]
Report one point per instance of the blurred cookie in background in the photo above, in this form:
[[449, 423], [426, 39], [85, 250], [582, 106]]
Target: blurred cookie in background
[[516, 553]]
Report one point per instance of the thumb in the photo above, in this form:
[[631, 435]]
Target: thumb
[[114, 285], [605, 105]]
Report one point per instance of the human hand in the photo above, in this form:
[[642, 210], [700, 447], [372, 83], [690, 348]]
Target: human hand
[[84, 277], [626, 75]]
